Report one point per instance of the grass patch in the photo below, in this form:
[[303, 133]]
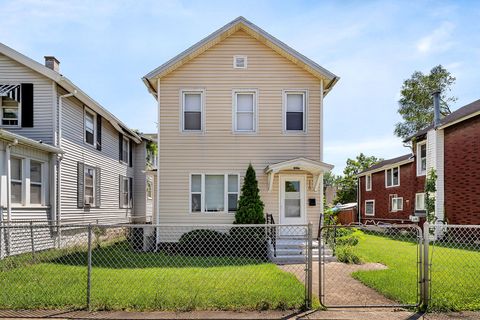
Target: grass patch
[[453, 286], [123, 279]]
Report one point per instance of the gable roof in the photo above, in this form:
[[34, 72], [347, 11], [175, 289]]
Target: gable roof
[[68, 85], [382, 165], [256, 32], [462, 114]]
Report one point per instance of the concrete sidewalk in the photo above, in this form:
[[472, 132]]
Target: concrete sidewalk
[[336, 314]]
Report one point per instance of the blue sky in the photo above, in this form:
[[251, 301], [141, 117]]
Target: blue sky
[[105, 47]]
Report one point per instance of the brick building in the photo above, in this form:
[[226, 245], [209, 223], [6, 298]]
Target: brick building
[[393, 190]]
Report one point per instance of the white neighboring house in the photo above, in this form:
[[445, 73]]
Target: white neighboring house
[[75, 162]]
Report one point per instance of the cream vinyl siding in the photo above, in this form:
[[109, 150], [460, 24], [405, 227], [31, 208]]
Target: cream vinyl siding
[[220, 150], [43, 99], [108, 160], [143, 207]]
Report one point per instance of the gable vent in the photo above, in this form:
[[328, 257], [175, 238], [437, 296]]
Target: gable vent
[[240, 62]]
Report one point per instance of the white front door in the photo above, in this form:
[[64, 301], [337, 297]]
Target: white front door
[[292, 199]]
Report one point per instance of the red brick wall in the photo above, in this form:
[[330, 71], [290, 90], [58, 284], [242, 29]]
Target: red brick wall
[[409, 185], [462, 172]]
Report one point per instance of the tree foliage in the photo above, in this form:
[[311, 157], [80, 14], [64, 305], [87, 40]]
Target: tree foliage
[[250, 205], [416, 101], [347, 183]]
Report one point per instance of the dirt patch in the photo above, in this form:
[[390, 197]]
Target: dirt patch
[[341, 289]]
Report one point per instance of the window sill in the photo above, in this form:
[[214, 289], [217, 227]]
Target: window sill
[[369, 215], [31, 206], [211, 212], [295, 132], [395, 186], [421, 174]]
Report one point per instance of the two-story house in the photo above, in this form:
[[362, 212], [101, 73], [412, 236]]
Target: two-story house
[[451, 148], [240, 96], [64, 157]]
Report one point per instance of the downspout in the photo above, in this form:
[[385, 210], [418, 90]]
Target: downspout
[[9, 193], [322, 190], [59, 166], [157, 213], [358, 200]]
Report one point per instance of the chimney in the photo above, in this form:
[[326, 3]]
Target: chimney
[[52, 63], [436, 108]]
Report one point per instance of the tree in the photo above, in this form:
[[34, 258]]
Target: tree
[[250, 206], [416, 101], [347, 184]]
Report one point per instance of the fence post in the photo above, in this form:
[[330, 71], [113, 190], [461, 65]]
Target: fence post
[[89, 265], [32, 241], [1, 232], [426, 271], [309, 267]]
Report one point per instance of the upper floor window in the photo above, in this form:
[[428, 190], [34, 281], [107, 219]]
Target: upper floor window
[[240, 62], [421, 158], [126, 195], [245, 110], [89, 118], [125, 149], [294, 109], [368, 182], [420, 201], [10, 110], [16, 105], [192, 109], [392, 177]]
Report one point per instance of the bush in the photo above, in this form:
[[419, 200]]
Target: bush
[[350, 240], [203, 243], [346, 254], [248, 242]]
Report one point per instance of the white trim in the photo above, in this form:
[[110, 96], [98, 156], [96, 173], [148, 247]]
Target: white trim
[[303, 196], [421, 172], [92, 113], [422, 194], [245, 61], [94, 180], [373, 208], [393, 185], [203, 193], [202, 109], [286, 92], [367, 187], [235, 93]]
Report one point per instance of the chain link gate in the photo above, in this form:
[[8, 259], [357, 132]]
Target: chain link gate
[[357, 266]]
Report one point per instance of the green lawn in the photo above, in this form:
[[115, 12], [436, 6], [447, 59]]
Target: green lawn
[[126, 280], [455, 273]]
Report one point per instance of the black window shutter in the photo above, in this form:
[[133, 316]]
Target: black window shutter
[[99, 132], [98, 187], [130, 194], [27, 104], [120, 189], [130, 153], [80, 184], [120, 146]]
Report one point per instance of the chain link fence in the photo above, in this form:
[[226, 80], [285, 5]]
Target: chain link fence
[[370, 266], [155, 267], [454, 267]]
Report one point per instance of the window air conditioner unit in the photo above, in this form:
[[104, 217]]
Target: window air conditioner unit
[[414, 218]]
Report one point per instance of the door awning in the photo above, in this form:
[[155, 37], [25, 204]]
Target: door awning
[[10, 90], [316, 168]]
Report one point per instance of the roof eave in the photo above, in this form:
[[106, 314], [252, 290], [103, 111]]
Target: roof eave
[[385, 167]]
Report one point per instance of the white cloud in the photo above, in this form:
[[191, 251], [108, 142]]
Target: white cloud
[[438, 40]]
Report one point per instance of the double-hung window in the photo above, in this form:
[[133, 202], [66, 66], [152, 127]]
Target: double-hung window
[[126, 197], [35, 182], [421, 158], [16, 180], [392, 177], [89, 118], [368, 182], [295, 111], [10, 111], [125, 149], [245, 110], [420, 201], [214, 192], [369, 207], [397, 204], [89, 186], [192, 110]]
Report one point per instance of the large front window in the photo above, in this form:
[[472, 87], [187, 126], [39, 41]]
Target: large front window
[[294, 111], [214, 192], [27, 182], [392, 177]]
